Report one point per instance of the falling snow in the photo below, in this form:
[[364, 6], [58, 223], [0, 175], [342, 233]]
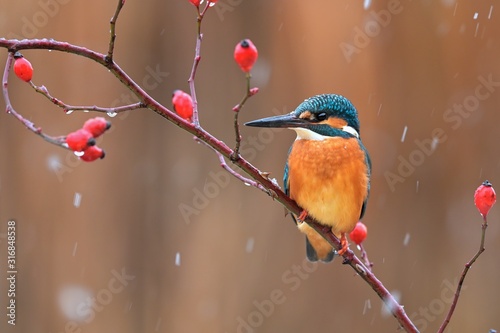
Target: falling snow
[[407, 239], [367, 306], [386, 311], [77, 200], [434, 143], [158, 324], [475, 15], [71, 298], [367, 4], [404, 134], [74, 248], [417, 186], [177, 259], [491, 11], [54, 163], [249, 246]]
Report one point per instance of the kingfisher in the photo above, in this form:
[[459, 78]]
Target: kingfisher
[[328, 169]]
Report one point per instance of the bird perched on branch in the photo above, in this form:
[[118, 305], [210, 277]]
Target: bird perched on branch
[[328, 169]]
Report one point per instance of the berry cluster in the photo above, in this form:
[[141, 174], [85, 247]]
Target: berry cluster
[[82, 141]]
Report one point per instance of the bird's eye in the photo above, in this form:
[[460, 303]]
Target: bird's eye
[[321, 116]]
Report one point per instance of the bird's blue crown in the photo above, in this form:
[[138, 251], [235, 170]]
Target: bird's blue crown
[[333, 105]]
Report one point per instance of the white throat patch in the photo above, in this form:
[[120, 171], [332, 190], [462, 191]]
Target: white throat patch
[[351, 131], [306, 134]]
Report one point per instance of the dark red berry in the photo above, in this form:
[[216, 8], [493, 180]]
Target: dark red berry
[[80, 140], [359, 233], [97, 126], [92, 153], [22, 67], [484, 198], [183, 104], [245, 55]]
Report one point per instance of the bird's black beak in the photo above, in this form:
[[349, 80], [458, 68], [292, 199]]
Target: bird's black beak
[[282, 121]]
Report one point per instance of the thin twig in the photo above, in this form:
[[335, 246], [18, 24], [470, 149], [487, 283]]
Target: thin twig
[[112, 30], [196, 62], [464, 274], [70, 108], [364, 257], [58, 141], [248, 93], [223, 164]]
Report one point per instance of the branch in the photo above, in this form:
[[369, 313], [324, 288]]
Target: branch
[[464, 274], [196, 62], [58, 141], [112, 30], [249, 93], [246, 181], [70, 108], [364, 257]]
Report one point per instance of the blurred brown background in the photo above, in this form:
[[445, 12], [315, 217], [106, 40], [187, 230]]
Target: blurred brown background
[[199, 251]]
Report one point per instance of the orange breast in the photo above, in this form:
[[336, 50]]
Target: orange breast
[[328, 178]]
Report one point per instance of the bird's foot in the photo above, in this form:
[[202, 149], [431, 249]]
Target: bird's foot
[[344, 244], [302, 216]]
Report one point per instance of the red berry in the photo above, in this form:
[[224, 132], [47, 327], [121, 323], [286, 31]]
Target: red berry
[[92, 153], [22, 67], [80, 140], [359, 233], [245, 55], [183, 104], [96, 126], [484, 198], [195, 2]]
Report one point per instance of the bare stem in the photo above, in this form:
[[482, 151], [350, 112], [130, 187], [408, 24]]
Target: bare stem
[[196, 62], [364, 257], [112, 30], [69, 108], [249, 93], [245, 180], [464, 274]]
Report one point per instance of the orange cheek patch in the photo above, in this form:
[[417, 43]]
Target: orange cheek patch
[[335, 122], [306, 115]]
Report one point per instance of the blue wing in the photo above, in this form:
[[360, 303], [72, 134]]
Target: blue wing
[[286, 182], [369, 171]]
